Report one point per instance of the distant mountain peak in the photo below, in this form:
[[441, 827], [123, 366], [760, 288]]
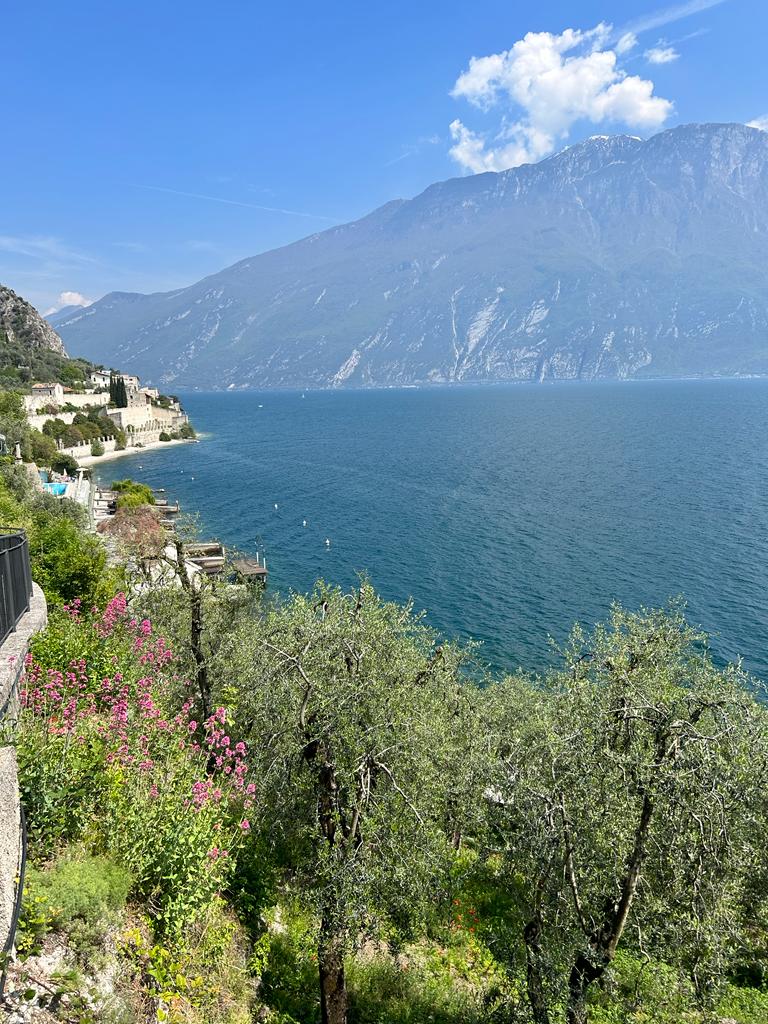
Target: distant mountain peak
[[617, 257]]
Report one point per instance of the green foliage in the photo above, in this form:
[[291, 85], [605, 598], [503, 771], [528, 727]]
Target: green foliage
[[77, 894], [68, 563], [610, 780], [43, 450], [63, 463], [13, 420], [23, 361], [745, 1005], [385, 991], [287, 966], [109, 759], [357, 738], [133, 494], [204, 981], [187, 431], [165, 436], [97, 447], [118, 394]]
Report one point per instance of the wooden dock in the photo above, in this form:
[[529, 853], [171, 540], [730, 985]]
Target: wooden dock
[[250, 570]]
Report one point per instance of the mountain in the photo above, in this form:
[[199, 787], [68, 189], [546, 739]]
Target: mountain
[[62, 314], [22, 327], [615, 258]]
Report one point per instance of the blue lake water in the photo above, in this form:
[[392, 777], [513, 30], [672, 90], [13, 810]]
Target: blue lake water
[[507, 512]]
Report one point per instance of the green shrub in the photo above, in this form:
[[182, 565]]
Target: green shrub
[[67, 563], [43, 448], [745, 1005], [207, 979], [97, 447], [165, 436], [187, 431], [78, 894], [133, 494], [383, 991], [63, 463]]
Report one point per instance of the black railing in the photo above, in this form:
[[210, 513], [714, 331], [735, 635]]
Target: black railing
[[15, 579]]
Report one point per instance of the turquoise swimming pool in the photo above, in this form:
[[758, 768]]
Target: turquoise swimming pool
[[57, 489]]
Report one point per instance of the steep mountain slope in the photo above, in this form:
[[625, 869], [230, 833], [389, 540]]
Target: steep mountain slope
[[55, 318], [22, 327], [615, 258]]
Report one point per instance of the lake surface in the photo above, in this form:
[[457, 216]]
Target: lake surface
[[507, 512]]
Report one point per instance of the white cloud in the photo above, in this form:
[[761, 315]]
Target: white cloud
[[74, 299], [661, 54], [626, 42], [42, 248], [545, 84], [669, 14], [759, 122]]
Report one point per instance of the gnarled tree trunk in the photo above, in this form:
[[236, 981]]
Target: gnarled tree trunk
[[535, 982], [604, 942], [333, 985]]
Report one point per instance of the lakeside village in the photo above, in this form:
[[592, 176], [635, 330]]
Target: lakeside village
[[112, 414]]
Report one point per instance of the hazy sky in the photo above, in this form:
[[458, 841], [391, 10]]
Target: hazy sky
[[149, 144]]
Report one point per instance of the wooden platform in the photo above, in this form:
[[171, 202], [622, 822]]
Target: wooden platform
[[250, 570]]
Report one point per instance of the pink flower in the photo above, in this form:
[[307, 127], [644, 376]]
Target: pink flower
[[245, 825]]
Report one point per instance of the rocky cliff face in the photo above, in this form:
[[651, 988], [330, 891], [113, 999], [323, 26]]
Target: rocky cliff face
[[616, 258], [23, 326]]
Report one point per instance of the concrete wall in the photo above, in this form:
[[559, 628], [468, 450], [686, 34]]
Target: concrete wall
[[79, 450], [148, 417], [12, 655], [10, 838], [80, 399]]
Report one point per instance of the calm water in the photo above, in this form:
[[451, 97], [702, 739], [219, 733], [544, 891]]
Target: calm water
[[507, 512]]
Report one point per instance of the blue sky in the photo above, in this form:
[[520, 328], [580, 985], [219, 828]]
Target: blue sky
[[149, 144]]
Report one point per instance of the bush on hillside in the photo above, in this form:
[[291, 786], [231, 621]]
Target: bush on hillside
[[165, 436], [67, 563], [64, 463], [77, 894]]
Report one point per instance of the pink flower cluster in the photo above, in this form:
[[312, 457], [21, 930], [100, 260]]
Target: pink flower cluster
[[130, 717]]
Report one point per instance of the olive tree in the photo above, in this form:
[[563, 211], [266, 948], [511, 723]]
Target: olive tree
[[625, 803], [355, 719]]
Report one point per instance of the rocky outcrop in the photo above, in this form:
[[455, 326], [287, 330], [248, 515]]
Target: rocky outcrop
[[616, 258], [23, 325]]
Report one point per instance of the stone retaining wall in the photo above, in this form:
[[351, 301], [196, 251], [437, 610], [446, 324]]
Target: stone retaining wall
[[12, 655]]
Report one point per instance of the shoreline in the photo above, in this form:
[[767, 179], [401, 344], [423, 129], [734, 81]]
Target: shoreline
[[90, 461]]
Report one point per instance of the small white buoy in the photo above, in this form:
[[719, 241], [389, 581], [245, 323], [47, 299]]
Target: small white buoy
[[261, 406], [192, 478], [275, 504], [303, 522], [327, 542]]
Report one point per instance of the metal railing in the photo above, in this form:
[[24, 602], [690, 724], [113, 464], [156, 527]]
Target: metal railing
[[15, 579]]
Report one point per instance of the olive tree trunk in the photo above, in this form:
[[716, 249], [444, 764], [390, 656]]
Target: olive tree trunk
[[333, 985]]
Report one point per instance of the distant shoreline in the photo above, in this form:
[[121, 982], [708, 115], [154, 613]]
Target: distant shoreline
[[190, 389], [95, 460]]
